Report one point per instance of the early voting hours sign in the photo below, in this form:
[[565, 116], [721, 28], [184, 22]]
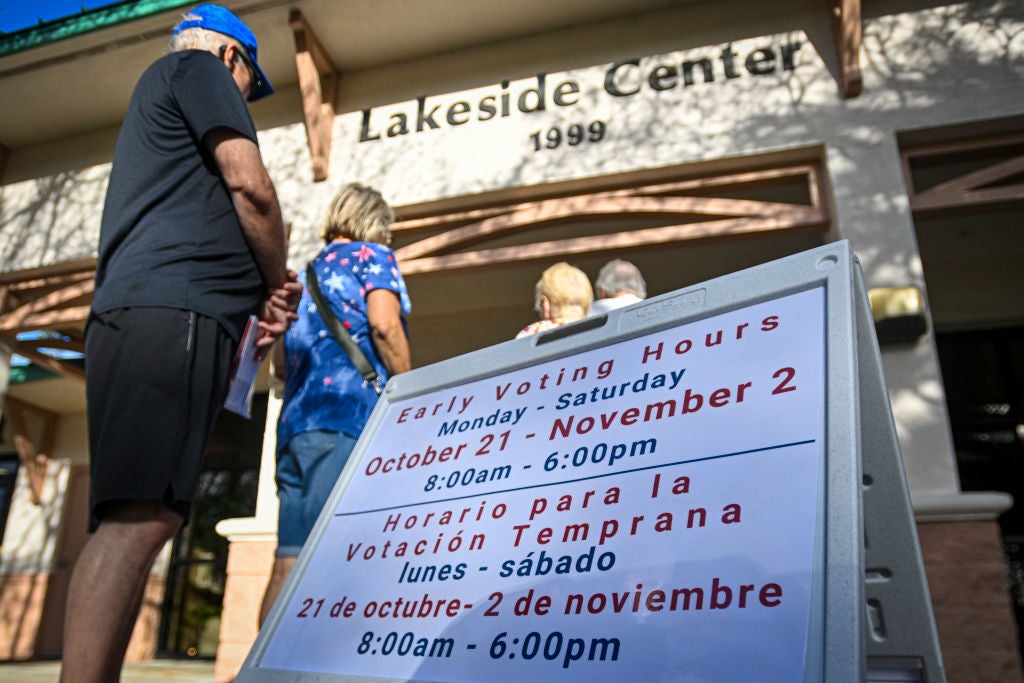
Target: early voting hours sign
[[641, 500]]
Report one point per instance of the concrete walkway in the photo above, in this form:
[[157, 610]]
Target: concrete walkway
[[178, 671]]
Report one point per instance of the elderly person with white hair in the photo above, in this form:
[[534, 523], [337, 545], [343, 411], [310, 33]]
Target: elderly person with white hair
[[192, 243], [618, 284], [562, 295]]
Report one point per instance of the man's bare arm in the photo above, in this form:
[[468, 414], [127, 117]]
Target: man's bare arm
[[259, 213], [255, 201]]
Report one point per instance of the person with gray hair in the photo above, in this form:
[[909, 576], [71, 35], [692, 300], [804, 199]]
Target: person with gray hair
[[619, 283], [192, 244]]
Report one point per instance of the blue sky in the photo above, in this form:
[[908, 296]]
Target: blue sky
[[19, 14]]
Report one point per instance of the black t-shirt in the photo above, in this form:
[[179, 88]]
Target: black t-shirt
[[170, 236]]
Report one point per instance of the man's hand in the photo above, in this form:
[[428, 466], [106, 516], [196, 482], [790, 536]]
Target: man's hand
[[277, 312]]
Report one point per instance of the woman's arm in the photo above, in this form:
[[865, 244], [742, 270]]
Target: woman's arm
[[384, 313], [280, 366]]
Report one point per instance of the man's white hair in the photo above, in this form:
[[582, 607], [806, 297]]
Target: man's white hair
[[199, 39], [618, 276]]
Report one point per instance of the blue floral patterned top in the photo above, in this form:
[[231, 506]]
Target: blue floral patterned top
[[323, 389]]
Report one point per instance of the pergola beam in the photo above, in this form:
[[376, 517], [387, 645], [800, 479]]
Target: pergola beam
[[452, 240], [995, 183], [34, 454], [847, 26], [318, 83], [596, 207], [731, 228], [50, 363], [53, 308], [52, 299]]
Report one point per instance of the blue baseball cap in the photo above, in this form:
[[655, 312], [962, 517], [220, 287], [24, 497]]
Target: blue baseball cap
[[221, 20]]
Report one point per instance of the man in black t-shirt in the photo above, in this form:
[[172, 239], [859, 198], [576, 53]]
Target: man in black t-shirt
[[191, 244]]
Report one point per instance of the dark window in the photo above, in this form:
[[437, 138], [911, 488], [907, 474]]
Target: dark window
[[983, 373], [198, 572], [8, 475]]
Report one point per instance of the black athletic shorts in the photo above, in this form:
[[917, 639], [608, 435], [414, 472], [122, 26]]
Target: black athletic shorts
[[155, 380]]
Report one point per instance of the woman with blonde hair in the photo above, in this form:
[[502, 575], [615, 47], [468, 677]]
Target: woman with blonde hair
[[562, 295], [327, 402]]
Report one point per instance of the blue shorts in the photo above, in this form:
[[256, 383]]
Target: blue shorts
[[308, 467]]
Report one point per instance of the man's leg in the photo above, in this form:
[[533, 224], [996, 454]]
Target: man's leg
[[282, 568], [107, 586]]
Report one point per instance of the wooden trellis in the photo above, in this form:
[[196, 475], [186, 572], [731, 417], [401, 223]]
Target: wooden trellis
[[686, 210], [55, 300]]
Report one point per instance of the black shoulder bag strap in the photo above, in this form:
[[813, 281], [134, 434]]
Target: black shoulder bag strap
[[339, 332]]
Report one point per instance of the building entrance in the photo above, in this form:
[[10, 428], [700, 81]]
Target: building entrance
[[968, 201], [983, 371]]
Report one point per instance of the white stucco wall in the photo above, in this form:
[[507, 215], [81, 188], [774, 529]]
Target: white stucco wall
[[931, 67], [921, 70]]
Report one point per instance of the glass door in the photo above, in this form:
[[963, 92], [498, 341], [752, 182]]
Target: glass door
[[190, 626]]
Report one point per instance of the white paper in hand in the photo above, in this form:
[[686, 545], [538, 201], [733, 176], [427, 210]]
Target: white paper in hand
[[244, 369]]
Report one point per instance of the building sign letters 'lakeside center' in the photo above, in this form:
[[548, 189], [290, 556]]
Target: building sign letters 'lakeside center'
[[623, 79]]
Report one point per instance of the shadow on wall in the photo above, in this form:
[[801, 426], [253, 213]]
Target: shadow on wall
[[51, 219]]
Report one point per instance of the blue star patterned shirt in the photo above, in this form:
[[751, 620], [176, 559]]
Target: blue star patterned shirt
[[323, 389]]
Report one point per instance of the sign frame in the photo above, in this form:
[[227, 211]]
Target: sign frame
[[871, 624]]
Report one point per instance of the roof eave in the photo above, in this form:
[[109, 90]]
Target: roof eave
[[85, 22]]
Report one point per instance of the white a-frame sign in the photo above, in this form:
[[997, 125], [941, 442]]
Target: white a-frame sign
[[704, 486]]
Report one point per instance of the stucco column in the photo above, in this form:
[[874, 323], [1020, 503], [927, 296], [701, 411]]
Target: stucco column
[[252, 543], [872, 211]]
